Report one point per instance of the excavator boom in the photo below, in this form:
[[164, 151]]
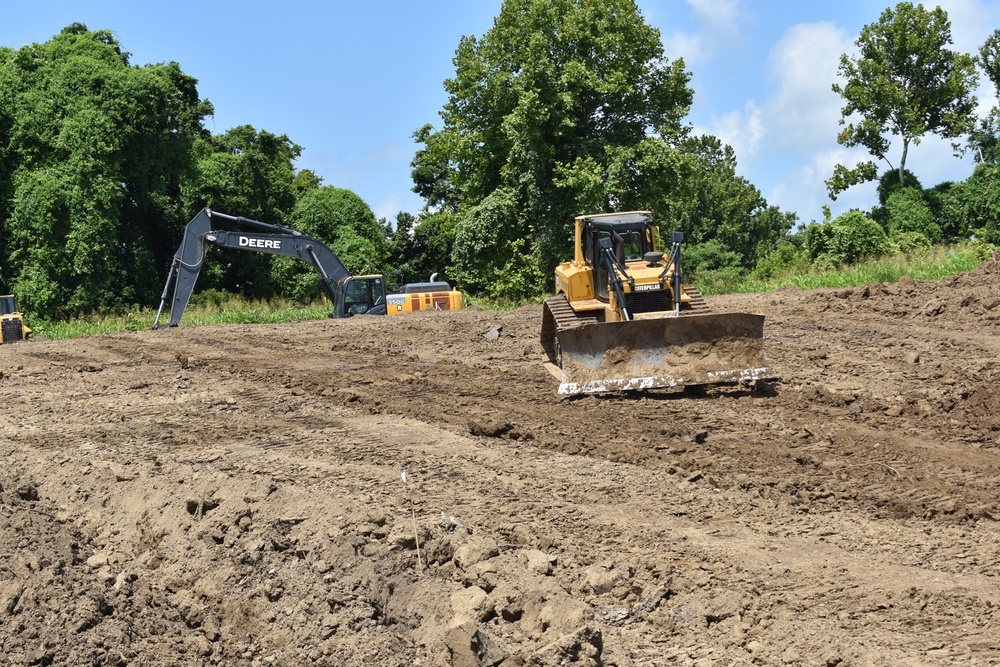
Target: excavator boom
[[277, 240]]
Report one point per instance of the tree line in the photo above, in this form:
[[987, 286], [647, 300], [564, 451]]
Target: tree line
[[562, 107]]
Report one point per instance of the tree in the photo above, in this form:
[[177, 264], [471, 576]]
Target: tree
[[560, 108], [850, 237], [981, 202], [720, 206], [418, 248], [907, 212], [340, 219], [904, 83], [94, 154], [248, 173], [984, 139]]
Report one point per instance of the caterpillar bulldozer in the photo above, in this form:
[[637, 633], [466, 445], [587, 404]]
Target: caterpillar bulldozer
[[350, 295], [12, 326], [623, 320]]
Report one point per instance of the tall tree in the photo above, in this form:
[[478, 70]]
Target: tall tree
[[984, 139], [94, 152], [248, 173], [719, 205], [560, 108], [344, 222], [905, 82]]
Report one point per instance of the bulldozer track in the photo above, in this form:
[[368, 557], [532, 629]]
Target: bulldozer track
[[558, 315], [697, 305]]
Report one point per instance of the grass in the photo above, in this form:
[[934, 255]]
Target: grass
[[936, 263], [233, 310]]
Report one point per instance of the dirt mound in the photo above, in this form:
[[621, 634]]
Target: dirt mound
[[406, 491]]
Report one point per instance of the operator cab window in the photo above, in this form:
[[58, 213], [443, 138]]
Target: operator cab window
[[358, 297], [632, 246]]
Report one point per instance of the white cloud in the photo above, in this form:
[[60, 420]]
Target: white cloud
[[719, 26], [692, 48], [743, 129], [972, 21], [804, 112], [719, 16]]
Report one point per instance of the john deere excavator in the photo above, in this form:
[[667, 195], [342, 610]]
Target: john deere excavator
[[623, 320], [12, 326], [350, 295]]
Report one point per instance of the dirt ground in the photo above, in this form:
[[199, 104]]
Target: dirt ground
[[412, 491]]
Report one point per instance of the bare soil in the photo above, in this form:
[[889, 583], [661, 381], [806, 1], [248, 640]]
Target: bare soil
[[235, 495]]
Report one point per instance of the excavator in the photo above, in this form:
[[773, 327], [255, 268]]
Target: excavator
[[350, 295], [622, 319], [12, 326]]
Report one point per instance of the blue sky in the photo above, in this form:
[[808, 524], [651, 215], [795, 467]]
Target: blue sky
[[352, 81]]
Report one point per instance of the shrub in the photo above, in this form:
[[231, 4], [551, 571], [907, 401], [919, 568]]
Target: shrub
[[908, 211], [850, 237]]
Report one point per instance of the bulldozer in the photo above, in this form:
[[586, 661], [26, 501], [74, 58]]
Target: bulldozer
[[623, 320], [12, 326]]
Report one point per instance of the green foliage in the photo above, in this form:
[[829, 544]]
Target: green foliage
[[720, 206], [345, 223], [984, 138], [936, 263], [711, 263], [786, 257], [247, 173], [430, 248], [711, 257], [848, 238], [490, 257], [982, 202], [561, 107], [905, 82], [889, 183], [844, 178], [93, 150], [908, 212], [948, 204]]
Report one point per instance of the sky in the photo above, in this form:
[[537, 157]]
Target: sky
[[351, 82]]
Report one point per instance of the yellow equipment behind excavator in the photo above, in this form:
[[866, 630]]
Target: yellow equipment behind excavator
[[623, 320], [12, 326]]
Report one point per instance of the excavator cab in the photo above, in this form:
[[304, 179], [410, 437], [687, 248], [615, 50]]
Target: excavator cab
[[360, 295], [12, 327]]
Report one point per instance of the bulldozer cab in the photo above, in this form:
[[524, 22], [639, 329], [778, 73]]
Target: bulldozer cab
[[8, 304], [630, 236]]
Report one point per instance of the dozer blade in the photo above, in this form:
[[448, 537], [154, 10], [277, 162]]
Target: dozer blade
[[718, 348]]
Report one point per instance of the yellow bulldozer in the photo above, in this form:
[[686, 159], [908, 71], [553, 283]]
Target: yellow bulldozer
[[12, 326], [623, 320]]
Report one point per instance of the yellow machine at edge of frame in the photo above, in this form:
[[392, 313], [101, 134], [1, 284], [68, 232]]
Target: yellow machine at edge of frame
[[12, 326]]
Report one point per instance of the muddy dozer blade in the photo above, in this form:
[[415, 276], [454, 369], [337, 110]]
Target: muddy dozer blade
[[716, 348]]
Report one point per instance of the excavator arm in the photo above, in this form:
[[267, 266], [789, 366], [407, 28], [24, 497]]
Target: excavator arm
[[276, 240]]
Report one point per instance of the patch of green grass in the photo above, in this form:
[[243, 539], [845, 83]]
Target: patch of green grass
[[937, 263], [233, 310]]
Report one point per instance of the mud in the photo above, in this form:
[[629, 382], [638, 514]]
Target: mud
[[412, 491]]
